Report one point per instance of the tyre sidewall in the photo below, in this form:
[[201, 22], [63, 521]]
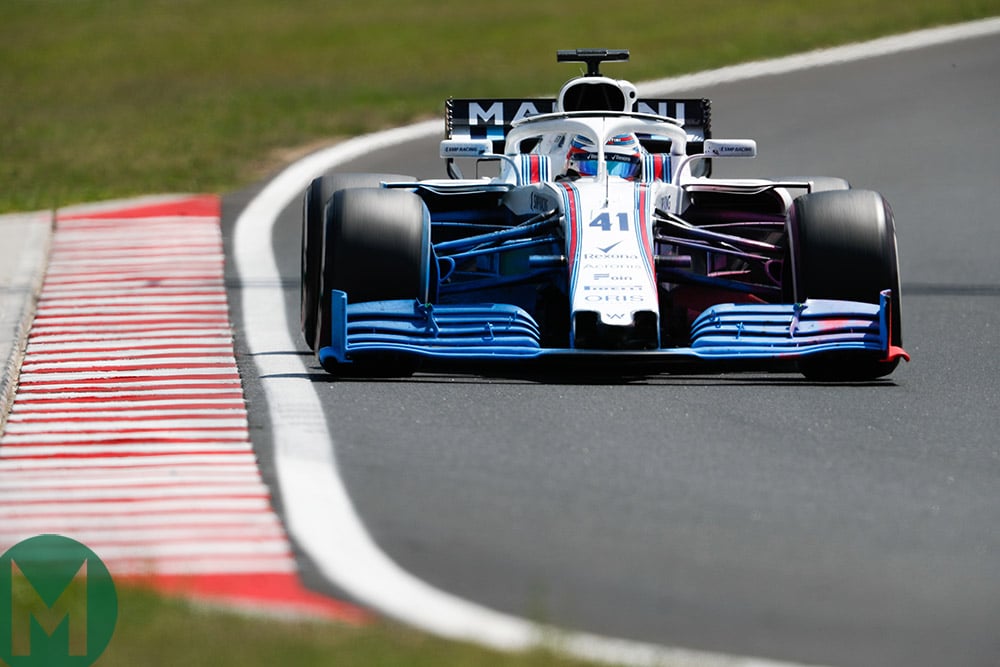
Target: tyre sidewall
[[843, 246], [315, 200]]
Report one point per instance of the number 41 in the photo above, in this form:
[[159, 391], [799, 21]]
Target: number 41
[[604, 221]]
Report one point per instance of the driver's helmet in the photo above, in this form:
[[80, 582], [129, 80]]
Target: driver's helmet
[[622, 153]]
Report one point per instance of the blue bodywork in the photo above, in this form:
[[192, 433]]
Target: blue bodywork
[[725, 332]]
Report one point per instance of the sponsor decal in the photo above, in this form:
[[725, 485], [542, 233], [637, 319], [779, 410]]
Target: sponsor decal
[[734, 150], [478, 115], [469, 149], [613, 288], [608, 266], [541, 203], [612, 277], [662, 108], [606, 256], [614, 298], [731, 148], [502, 112]]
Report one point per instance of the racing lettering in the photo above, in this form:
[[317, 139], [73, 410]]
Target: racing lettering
[[608, 276], [618, 256], [662, 109], [541, 203], [493, 115], [613, 288], [614, 298], [605, 266], [524, 111], [496, 113], [603, 220]]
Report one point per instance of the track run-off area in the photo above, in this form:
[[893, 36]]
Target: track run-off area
[[128, 431]]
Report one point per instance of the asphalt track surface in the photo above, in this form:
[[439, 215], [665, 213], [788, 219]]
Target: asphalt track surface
[[749, 514]]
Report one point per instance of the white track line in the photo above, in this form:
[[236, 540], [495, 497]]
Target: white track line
[[319, 513], [824, 57]]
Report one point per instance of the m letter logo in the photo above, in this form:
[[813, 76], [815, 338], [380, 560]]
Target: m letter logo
[[49, 618], [58, 604]]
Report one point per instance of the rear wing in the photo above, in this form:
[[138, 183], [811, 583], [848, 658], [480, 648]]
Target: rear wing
[[492, 118]]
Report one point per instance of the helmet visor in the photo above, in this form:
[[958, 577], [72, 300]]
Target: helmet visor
[[618, 165], [621, 155], [621, 165]]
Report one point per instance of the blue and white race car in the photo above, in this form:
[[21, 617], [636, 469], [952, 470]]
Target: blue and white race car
[[600, 241]]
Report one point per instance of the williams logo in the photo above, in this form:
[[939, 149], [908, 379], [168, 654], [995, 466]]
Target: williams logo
[[58, 605]]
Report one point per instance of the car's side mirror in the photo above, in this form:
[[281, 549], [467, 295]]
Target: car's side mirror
[[477, 149], [730, 148], [713, 148]]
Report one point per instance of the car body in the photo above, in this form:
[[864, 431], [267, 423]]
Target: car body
[[669, 268]]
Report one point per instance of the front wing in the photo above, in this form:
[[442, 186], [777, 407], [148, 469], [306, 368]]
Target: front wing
[[498, 332]]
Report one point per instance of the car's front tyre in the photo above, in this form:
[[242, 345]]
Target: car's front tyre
[[314, 202], [376, 248], [843, 246]]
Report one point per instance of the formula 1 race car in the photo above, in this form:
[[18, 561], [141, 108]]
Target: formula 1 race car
[[601, 240]]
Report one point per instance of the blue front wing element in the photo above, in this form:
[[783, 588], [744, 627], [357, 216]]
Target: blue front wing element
[[500, 331]]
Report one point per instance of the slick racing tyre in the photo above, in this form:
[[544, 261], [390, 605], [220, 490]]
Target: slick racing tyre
[[843, 246], [314, 201], [376, 247]]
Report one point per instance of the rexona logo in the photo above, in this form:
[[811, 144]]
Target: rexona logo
[[58, 604]]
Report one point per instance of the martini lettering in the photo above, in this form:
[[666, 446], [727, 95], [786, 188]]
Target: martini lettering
[[494, 114]]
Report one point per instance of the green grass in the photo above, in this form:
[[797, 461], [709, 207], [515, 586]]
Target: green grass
[[155, 632], [107, 98]]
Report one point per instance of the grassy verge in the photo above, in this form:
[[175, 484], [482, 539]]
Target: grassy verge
[[106, 98], [156, 632]]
